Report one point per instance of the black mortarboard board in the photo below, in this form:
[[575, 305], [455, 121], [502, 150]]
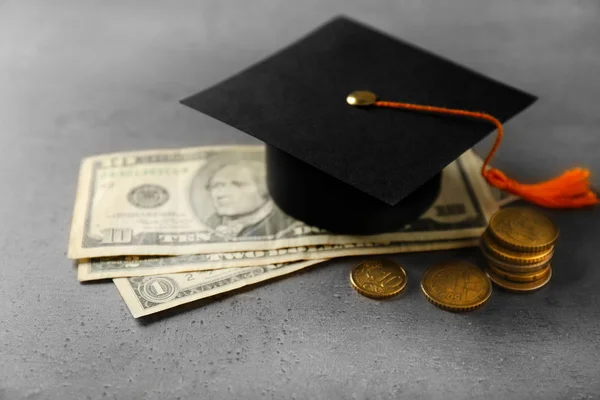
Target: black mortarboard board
[[344, 168]]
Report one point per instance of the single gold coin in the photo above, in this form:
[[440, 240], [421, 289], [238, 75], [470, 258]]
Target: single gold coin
[[521, 286], [510, 267], [378, 278], [456, 286], [512, 256], [519, 277], [361, 98], [523, 229]]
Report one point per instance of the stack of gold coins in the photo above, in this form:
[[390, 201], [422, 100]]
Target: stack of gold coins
[[519, 245]]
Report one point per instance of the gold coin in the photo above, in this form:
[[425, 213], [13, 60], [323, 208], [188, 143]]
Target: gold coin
[[378, 278], [523, 229], [456, 286], [519, 277], [509, 267], [521, 286], [515, 257]]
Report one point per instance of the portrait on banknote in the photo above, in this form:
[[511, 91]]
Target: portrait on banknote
[[229, 194]]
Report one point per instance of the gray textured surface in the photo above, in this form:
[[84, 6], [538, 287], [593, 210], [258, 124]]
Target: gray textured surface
[[81, 77]]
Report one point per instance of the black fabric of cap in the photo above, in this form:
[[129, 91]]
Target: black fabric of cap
[[295, 101]]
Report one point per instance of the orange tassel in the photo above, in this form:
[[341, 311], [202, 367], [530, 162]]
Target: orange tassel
[[569, 190]]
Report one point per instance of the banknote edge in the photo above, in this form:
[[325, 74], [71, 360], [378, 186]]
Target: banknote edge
[[85, 274], [75, 234], [487, 202], [97, 157]]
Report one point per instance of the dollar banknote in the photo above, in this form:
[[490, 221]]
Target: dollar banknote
[[128, 266], [185, 201], [151, 294]]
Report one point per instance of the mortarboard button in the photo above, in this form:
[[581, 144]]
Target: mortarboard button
[[361, 98]]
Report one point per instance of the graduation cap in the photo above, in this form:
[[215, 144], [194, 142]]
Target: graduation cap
[[355, 169]]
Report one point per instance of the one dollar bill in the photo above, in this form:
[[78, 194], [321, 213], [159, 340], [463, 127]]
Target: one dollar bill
[[209, 200], [148, 295]]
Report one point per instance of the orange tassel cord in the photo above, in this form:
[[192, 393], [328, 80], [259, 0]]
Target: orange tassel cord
[[569, 190]]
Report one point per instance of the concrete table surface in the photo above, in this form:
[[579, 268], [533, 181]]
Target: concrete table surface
[[80, 77]]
